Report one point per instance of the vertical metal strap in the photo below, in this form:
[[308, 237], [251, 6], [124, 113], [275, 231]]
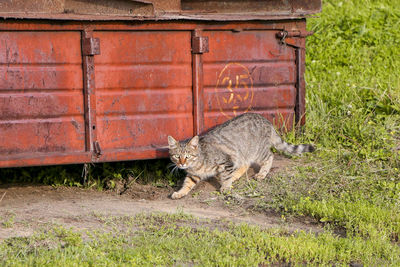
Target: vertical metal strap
[[90, 47], [300, 106], [199, 46], [296, 39]]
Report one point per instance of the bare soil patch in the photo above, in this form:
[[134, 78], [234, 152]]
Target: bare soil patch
[[25, 209]]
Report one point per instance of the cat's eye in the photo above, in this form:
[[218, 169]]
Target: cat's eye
[[175, 156], [188, 156]]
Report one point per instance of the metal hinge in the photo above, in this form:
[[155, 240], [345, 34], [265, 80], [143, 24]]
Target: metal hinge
[[90, 46], [199, 44], [293, 38]]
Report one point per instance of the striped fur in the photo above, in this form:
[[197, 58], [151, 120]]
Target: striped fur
[[281, 145], [228, 150]]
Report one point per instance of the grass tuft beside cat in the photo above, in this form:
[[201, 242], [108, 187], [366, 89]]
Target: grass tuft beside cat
[[228, 150]]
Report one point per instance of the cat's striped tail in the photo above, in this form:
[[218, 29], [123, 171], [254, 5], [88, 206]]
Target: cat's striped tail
[[281, 145]]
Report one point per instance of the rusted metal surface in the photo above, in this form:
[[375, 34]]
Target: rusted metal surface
[[66, 8], [265, 7], [37, 25], [143, 89], [247, 77], [78, 92], [41, 96], [226, 10]]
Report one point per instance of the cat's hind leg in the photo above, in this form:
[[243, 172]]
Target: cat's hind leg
[[265, 167], [188, 184], [227, 178]]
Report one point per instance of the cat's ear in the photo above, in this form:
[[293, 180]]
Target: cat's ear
[[172, 142], [194, 142]]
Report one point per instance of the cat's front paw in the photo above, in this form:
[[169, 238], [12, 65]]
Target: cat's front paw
[[225, 189], [259, 176], [177, 195]]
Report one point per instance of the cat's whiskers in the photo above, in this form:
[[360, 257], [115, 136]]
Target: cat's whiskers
[[171, 165], [174, 170]]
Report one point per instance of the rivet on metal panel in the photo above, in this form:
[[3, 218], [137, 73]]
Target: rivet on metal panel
[[200, 44], [90, 46]]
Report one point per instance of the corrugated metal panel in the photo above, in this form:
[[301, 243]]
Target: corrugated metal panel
[[251, 73], [144, 88], [41, 99]]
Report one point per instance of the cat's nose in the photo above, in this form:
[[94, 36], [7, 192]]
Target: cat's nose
[[182, 161]]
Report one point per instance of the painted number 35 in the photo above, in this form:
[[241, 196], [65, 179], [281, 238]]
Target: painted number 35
[[234, 90]]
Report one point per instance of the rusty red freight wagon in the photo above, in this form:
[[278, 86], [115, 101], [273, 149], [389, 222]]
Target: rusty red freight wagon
[[95, 81]]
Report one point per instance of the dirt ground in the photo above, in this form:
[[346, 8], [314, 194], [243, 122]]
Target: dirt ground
[[25, 209]]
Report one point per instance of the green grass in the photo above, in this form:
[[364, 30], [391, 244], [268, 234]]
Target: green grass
[[8, 220], [353, 99], [350, 185], [353, 115], [178, 239]]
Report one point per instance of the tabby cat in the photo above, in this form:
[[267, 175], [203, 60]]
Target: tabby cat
[[228, 150]]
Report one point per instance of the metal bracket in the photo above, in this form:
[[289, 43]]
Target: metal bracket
[[293, 38], [90, 46], [200, 44], [97, 149]]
